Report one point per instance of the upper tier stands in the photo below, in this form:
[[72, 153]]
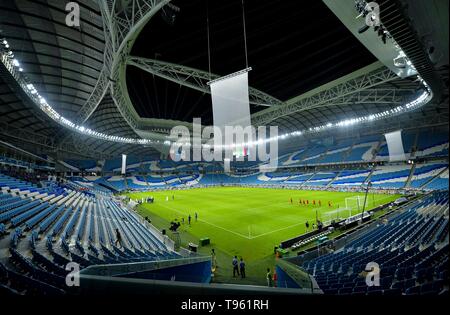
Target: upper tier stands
[[409, 139], [88, 165], [423, 173], [438, 183], [4, 160], [432, 144], [411, 250], [321, 178], [370, 148], [351, 177], [390, 176], [112, 165]]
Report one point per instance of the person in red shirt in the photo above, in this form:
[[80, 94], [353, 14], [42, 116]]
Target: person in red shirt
[[274, 277]]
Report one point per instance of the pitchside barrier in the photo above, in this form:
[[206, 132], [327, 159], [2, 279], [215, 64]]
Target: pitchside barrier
[[355, 219], [355, 203], [288, 243], [332, 219], [352, 205], [353, 233]]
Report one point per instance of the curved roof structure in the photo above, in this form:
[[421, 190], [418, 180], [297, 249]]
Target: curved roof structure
[[62, 62], [133, 69]]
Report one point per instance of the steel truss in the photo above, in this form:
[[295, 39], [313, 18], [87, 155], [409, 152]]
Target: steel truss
[[367, 97], [122, 22], [194, 78], [326, 97], [125, 24]]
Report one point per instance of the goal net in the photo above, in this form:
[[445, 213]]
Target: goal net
[[335, 215], [354, 204]]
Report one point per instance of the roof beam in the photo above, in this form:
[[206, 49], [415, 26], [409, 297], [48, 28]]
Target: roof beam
[[126, 26], [194, 78], [325, 97]]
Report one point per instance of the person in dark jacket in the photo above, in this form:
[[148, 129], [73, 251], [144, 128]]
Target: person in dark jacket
[[235, 266], [118, 238], [242, 268]]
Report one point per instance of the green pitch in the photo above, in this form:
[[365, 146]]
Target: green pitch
[[249, 222]]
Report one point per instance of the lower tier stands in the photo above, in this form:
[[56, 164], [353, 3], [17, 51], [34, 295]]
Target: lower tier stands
[[39, 236], [411, 250]]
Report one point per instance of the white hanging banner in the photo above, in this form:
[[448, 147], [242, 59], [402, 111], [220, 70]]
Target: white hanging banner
[[230, 100], [395, 146], [124, 163]]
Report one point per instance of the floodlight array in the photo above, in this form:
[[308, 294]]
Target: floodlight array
[[14, 67]]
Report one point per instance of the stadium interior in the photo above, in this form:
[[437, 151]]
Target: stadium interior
[[98, 196]]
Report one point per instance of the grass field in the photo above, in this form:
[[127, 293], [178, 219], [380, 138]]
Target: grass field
[[248, 222]]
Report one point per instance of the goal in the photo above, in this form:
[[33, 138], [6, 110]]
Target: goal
[[335, 215], [354, 204]]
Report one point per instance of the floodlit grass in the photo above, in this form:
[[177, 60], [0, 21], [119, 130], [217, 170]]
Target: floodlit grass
[[249, 222]]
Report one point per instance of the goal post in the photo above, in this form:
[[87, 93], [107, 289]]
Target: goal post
[[335, 215], [354, 204]]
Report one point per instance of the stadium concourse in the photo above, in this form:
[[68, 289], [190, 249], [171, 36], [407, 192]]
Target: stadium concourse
[[95, 199]]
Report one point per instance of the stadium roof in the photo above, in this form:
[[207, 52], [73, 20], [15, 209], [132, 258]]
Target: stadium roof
[[297, 50], [62, 62], [293, 47]]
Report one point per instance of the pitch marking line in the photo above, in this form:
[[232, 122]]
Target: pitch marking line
[[212, 224], [236, 233], [274, 231], [285, 228], [280, 204], [291, 226], [242, 235]]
